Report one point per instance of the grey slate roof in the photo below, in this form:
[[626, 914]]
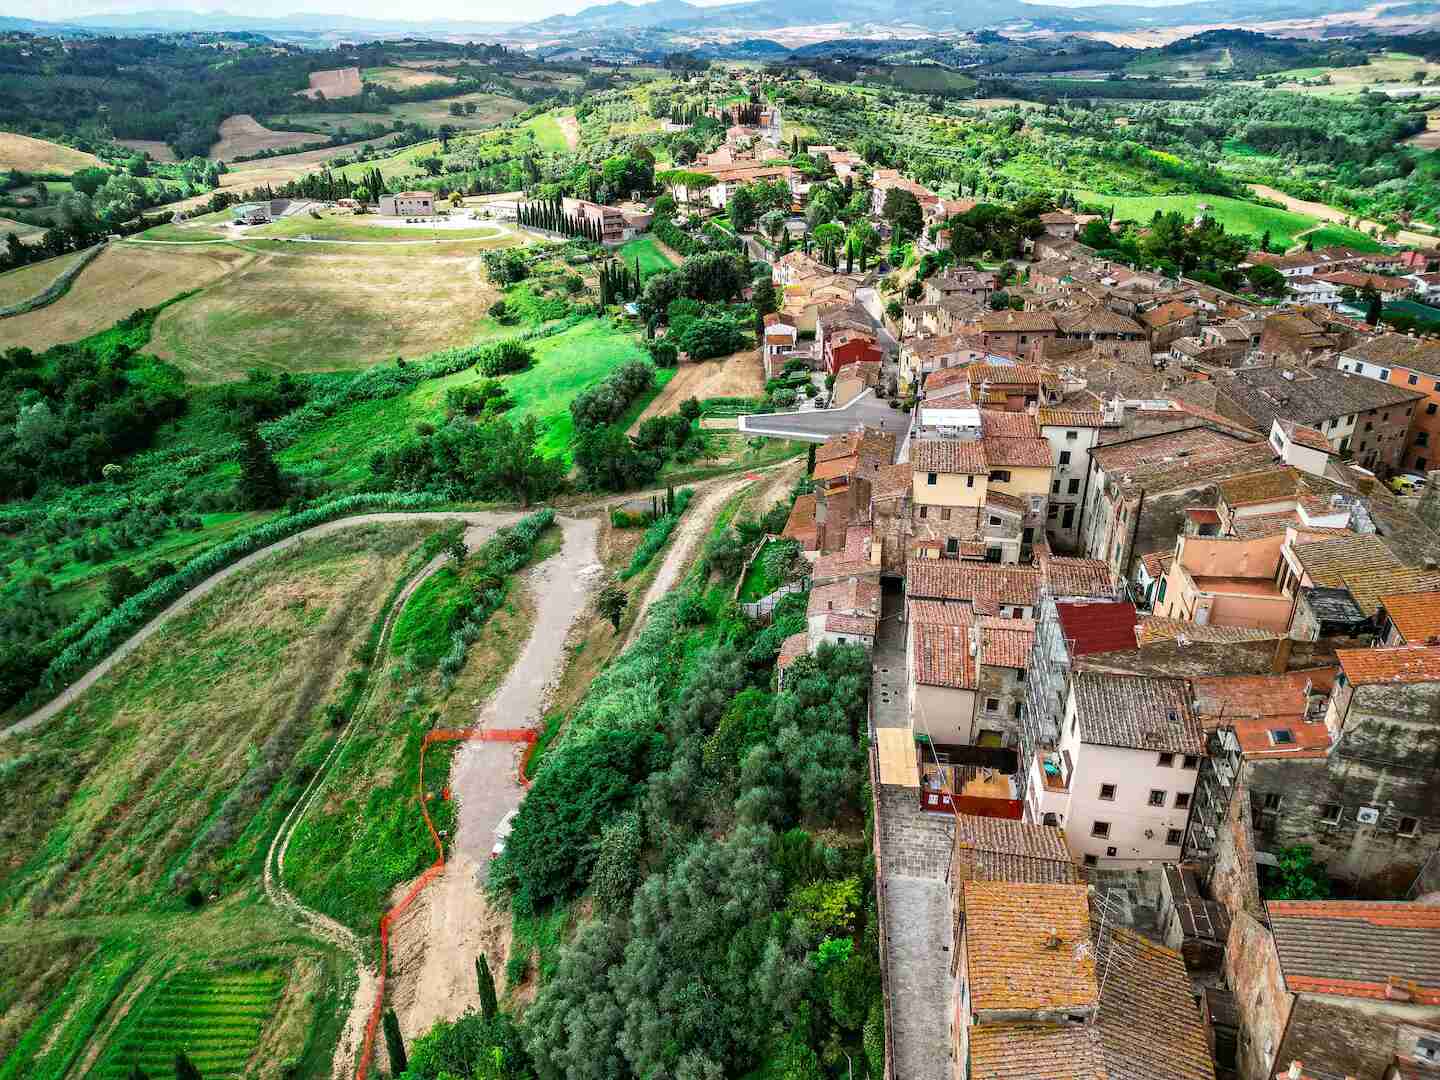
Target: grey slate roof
[[1137, 713], [1311, 397]]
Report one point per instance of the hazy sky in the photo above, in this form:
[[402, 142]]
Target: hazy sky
[[477, 10]]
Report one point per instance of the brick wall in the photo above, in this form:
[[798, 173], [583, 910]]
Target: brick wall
[[1252, 971], [1234, 881]]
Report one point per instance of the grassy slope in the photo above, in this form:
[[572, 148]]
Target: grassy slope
[[652, 259], [108, 799], [565, 364], [548, 135], [1339, 235], [1236, 215]]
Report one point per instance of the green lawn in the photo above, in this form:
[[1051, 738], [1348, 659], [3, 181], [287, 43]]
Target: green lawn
[[652, 260], [1339, 235], [339, 450], [1237, 215], [548, 135], [368, 227]]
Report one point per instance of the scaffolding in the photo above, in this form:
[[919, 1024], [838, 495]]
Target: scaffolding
[[1215, 788]]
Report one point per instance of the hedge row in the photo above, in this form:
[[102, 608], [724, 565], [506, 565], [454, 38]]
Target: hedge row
[[126, 618], [657, 534], [57, 288]]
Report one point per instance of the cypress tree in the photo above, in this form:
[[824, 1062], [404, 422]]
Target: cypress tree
[[395, 1044], [810, 459], [489, 1007], [261, 484]]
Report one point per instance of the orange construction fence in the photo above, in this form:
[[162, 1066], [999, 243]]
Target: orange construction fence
[[367, 1050]]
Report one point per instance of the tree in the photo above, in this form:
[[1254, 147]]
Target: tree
[[261, 484], [395, 1044], [902, 210], [457, 550], [1297, 876], [185, 1068], [137, 1073], [1266, 280], [121, 583], [1373, 304], [489, 1006], [610, 603]]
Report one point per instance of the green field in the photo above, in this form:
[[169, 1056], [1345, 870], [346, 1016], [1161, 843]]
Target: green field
[[370, 227], [652, 259], [1236, 215], [567, 363], [547, 132], [921, 78], [490, 109], [1340, 236]]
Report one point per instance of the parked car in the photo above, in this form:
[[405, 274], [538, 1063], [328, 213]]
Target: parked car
[[502, 833], [1407, 483]]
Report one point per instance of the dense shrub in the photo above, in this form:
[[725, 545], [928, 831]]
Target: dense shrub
[[657, 535], [505, 358], [607, 402]]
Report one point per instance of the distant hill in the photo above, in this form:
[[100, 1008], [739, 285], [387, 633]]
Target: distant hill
[[219, 21]]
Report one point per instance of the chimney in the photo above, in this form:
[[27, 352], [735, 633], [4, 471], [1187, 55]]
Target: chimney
[[1295, 1071], [1281, 662], [1052, 938]]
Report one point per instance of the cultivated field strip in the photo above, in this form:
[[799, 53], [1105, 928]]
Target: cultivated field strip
[[215, 1018]]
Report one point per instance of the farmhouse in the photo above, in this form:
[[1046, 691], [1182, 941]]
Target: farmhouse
[[407, 204]]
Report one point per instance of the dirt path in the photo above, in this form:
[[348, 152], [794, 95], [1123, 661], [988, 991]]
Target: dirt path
[[1331, 214], [570, 128], [737, 375], [437, 941]]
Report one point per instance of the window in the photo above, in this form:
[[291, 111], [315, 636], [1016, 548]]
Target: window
[[1107, 792], [1074, 487], [1422, 438], [993, 555], [1091, 860], [1000, 476], [1157, 797], [952, 546], [1111, 852], [1064, 457], [970, 481], [931, 478], [1076, 434], [1192, 761], [1069, 517], [1182, 800], [1172, 837], [1420, 464], [1160, 598], [1413, 379], [1055, 487], [994, 520], [1167, 761], [1016, 708], [924, 511], [1054, 510], [1281, 737], [1271, 801], [1430, 409], [945, 514], [1409, 826], [1020, 675], [1369, 426], [992, 704], [1330, 813], [1100, 829]]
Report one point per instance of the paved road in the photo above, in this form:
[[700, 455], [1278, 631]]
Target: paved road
[[817, 425]]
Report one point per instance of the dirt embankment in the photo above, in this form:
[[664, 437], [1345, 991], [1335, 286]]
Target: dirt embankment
[[1330, 213], [737, 375]]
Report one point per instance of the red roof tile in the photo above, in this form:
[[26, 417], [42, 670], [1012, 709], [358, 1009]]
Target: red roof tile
[[1405, 664], [1097, 627]]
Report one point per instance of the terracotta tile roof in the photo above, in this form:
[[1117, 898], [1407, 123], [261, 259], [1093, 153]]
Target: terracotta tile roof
[[867, 442], [891, 481], [1415, 615], [941, 656], [939, 612], [1000, 424], [1403, 664], [1065, 576], [1267, 485], [1137, 713], [1153, 628], [831, 568], [993, 849], [1017, 453], [1172, 311], [1256, 705], [857, 595], [1000, 501], [1036, 1052], [792, 648], [1097, 320], [1070, 418], [1327, 562], [955, 456], [835, 468], [1011, 958], [986, 586], [1097, 627], [1149, 1024], [1190, 445], [1303, 435], [801, 523], [865, 626], [1157, 563], [1368, 586], [1358, 949], [1007, 648]]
